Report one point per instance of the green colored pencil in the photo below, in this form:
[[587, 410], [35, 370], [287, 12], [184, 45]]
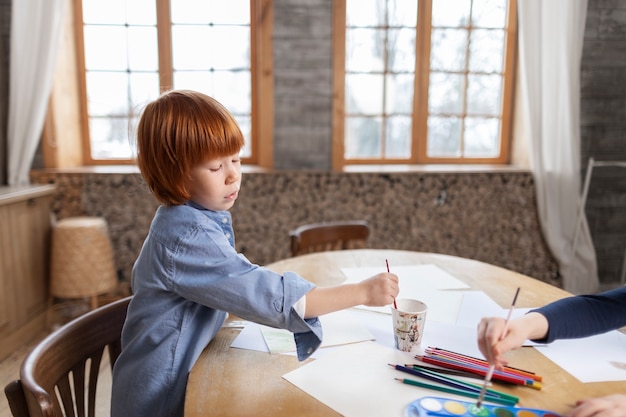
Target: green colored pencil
[[489, 398], [491, 392]]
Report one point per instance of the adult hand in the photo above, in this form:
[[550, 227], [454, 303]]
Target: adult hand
[[609, 406], [493, 344]]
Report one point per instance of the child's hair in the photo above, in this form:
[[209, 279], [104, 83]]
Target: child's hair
[[176, 132]]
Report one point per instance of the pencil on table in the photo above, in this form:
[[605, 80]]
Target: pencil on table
[[498, 400]]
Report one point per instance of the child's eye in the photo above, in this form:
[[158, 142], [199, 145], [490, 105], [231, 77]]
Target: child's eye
[[215, 169]]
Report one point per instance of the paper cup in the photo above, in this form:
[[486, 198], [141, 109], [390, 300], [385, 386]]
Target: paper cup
[[408, 324]]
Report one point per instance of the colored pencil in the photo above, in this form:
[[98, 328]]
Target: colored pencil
[[469, 385], [447, 371], [451, 382], [503, 377], [434, 351], [464, 393], [492, 367]]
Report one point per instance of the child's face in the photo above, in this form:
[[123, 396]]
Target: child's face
[[215, 184]]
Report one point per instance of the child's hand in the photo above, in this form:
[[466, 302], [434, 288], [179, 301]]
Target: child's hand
[[381, 289]]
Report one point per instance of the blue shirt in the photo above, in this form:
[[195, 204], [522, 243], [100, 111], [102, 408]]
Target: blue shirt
[[585, 315], [187, 276]]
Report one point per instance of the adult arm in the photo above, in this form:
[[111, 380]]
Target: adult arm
[[584, 315]]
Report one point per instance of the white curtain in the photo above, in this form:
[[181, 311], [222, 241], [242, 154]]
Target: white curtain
[[35, 32], [551, 37]]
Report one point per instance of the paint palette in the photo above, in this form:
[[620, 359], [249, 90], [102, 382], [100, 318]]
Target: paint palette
[[436, 406]]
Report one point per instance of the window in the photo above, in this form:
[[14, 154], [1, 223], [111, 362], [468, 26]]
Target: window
[[425, 81], [128, 51]]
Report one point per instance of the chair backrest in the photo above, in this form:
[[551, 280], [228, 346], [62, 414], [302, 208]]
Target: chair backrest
[[61, 372], [338, 235]]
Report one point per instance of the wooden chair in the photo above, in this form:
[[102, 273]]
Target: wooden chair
[[68, 360], [338, 235]]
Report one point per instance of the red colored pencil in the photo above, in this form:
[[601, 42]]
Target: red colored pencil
[[480, 362], [479, 370]]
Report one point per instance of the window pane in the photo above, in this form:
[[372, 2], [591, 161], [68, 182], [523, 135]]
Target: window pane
[[401, 50], [444, 137], [192, 55], [363, 137], [399, 91], [364, 94], [207, 50], [445, 93], [484, 95], [448, 48], [107, 93], [211, 11], [201, 81], [109, 138], [489, 13], [365, 50], [245, 124], [486, 51], [481, 137], [451, 13], [234, 54], [234, 12], [106, 48], [398, 137], [144, 87], [107, 12], [142, 46], [232, 89], [139, 12], [365, 12], [402, 13]]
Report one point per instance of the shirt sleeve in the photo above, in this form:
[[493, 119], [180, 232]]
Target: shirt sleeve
[[584, 315], [206, 269]]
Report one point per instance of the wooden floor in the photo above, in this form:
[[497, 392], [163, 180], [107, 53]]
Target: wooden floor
[[10, 370]]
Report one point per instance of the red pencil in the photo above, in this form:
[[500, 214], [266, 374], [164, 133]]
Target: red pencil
[[500, 376], [471, 360]]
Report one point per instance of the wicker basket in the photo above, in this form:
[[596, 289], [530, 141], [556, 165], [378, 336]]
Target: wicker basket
[[82, 258]]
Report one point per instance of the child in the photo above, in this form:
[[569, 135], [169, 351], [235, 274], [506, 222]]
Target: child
[[188, 274]]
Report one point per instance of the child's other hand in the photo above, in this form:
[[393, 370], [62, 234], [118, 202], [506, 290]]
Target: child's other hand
[[381, 289]]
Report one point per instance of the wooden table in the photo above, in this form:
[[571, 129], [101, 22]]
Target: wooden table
[[237, 382]]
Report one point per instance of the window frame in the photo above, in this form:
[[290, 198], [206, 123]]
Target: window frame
[[420, 97], [262, 87]]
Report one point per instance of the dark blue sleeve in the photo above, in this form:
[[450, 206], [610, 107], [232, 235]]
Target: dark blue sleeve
[[584, 315]]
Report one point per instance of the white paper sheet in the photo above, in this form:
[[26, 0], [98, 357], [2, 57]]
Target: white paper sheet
[[421, 282], [356, 381], [341, 327], [476, 305], [590, 359], [413, 278]]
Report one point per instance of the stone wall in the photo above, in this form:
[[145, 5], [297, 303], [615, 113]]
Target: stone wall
[[486, 216]]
